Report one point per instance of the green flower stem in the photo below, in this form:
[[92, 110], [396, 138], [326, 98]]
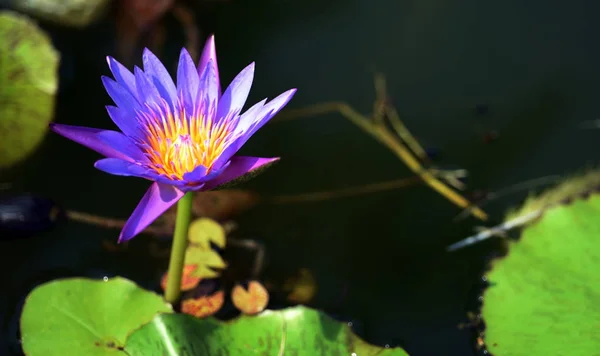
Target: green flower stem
[[180, 241]]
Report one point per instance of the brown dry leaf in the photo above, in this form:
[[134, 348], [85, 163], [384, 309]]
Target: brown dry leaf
[[188, 281], [204, 306], [223, 204], [251, 301], [217, 205]]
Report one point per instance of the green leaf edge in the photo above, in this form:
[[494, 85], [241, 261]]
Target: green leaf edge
[[301, 309]]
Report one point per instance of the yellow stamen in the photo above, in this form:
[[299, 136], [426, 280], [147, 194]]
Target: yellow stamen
[[177, 144]]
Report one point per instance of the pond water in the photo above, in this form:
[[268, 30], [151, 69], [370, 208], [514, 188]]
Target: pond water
[[379, 259]]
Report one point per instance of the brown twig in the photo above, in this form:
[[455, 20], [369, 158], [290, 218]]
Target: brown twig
[[110, 223], [396, 141], [345, 192]]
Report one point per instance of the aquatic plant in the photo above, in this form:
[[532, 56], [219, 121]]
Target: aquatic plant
[[28, 73], [182, 137]]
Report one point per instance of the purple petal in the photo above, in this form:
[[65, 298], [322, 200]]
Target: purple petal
[[125, 120], [240, 167], [121, 96], [147, 92], [208, 93], [159, 76], [187, 80], [88, 137], [195, 181], [196, 175], [251, 121], [122, 75], [156, 201], [234, 97], [209, 55], [122, 144], [249, 117], [268, 111], [118, 167]]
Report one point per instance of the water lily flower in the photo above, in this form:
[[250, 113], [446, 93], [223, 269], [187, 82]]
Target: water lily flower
[[182, 137]]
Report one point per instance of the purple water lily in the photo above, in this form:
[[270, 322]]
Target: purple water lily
[[182, 137]]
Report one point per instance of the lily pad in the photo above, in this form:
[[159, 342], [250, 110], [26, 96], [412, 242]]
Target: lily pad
[[251, 301], [73, 13], [28, 83], [80, 316], [203, 306], [544, 294], [203, 231], [293, 331]]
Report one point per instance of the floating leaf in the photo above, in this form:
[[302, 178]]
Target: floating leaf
[[251, 301], [188, 282], [301, 288], [28, 83], [204, 260], [203, 231], [206, 256], [293, 331], [199, 252], [80, 316], [74, 13], [202, 271], [544, 294], [203, 306]]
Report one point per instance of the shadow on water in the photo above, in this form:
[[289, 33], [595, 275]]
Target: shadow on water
[[379, 259]]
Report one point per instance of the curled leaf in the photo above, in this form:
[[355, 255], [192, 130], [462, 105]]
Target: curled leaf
[[204, 306], [188, 281], [251, 301]]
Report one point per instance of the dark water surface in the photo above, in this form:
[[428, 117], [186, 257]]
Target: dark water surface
[[534, 63]]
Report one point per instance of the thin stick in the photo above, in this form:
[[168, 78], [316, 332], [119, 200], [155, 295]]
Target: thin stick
[[510, 190], [385, 137], [496, 230], [345, 192], [110, 223], [405, 135]]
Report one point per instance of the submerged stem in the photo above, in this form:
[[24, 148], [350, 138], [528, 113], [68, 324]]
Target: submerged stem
[[180, 240]]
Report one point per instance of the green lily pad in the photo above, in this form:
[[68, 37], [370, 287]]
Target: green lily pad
[[80, 316], [28, 83], [73, 13], [203, 231], [293, 331], [199, 252], [544, 294]]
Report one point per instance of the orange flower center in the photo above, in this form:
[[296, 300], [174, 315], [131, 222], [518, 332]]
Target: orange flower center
[[177, 144]]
